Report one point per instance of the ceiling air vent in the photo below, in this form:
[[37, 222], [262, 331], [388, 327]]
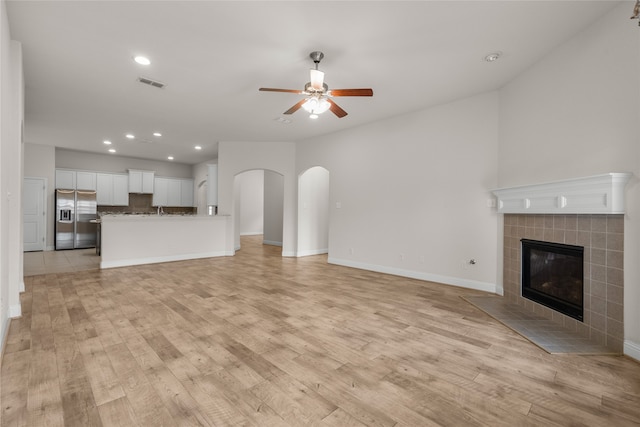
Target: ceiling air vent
[[150, 82]]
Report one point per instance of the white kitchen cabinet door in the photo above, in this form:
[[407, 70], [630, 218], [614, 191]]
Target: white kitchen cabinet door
[[112, 189], [141, 181], [135, 181], [174, 189], [186, 193], [104, 189], [86, 181], [160, 188], [66, 179], [120, 190], [147, 182]]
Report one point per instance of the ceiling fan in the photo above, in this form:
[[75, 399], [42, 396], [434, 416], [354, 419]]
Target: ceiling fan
[[317, 94]]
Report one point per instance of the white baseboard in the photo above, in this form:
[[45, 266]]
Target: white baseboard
[[290, 254], [271, 242], [15, 311], [50, 248], [310, 252], [632, 349], [454, 281], [155, 260], [252, 233]]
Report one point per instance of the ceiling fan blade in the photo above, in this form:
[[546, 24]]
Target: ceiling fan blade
[[351, 92], [270, 89], [295, 107], [335, 109]]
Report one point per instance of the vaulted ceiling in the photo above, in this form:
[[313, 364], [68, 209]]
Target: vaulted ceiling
[[82, 84]]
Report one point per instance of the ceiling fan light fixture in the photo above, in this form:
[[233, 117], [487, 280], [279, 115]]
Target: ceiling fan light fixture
[[313, 116], [317, 79], [316, 105]]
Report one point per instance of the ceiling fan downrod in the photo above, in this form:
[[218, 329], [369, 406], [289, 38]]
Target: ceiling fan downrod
[[316, 56]]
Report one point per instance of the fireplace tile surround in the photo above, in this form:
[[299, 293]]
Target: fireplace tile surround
[[602, 236]]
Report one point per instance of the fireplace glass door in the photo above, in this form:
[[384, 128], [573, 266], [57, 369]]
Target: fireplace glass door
[[552, 275]]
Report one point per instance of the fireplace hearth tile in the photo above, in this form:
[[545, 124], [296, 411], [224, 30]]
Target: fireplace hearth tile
[[546, 334]]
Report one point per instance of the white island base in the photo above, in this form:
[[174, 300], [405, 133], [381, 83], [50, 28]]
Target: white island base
[[147, 239]]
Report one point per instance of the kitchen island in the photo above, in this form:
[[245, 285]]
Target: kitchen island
[[147, 239]]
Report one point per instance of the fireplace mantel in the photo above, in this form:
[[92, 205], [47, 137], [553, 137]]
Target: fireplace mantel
[[599, 194]]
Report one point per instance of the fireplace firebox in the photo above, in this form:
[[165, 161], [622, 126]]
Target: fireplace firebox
[[552, 275]]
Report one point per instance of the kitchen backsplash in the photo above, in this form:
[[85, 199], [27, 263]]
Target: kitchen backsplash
[[142, 204]]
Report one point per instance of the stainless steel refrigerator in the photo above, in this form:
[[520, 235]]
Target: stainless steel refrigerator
[[74, 211]]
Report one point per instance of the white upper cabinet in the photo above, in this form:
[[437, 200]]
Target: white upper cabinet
[[86, 181], [160, 189], [65, 179], [75, 180], [120, 190], [141, 181], [104, 192], [173, 192], [112, 189], [186, 193]]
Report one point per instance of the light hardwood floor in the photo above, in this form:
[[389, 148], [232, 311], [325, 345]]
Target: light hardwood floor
[[261, 340]]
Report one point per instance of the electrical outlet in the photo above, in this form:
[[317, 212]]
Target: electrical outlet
[[350, 251]]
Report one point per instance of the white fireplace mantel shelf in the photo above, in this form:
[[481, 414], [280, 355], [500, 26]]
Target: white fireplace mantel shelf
[[599, 194]]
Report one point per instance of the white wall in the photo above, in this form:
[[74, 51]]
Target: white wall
[[273, 208], [313, 212], [11, 117], [71, 159], [409, 194], [40, 161], [576, 113], [237, 157]]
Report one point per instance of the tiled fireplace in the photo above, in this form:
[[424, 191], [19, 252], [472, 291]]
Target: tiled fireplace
[[601, 235], [586, 212]]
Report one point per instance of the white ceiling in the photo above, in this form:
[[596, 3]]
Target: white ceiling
[[81, 81]]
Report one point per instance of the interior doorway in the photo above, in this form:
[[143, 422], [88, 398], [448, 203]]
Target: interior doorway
[[259, 206], [34, 213], [313, 212]]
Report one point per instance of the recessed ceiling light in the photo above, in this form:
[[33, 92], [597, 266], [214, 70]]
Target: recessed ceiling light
[[492, 57], [107, 142], [112, 150], [282, 120], [313, 116], [157, 134], [142, 60], [130, 136], [170, 158], [197, 147]]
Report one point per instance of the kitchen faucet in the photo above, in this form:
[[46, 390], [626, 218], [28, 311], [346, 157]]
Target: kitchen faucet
[[160, 210]]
